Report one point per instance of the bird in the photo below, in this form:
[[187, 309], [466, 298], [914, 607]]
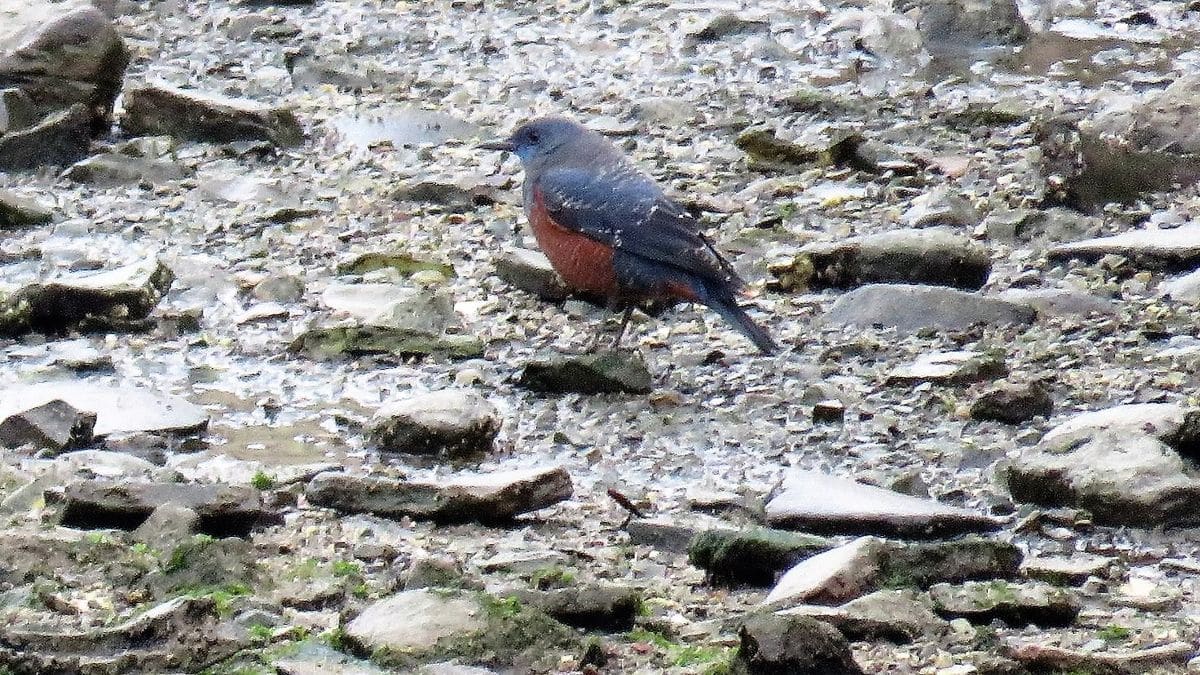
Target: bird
[[609, 230]]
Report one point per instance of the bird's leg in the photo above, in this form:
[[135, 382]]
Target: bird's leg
[[621, 330]]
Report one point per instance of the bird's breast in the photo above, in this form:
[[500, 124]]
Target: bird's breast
[[584, 263]]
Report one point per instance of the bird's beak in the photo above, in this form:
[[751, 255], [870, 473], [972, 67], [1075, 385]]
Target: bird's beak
[[505, 145]]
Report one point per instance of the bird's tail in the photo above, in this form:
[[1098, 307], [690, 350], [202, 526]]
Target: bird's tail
[[729, 310]]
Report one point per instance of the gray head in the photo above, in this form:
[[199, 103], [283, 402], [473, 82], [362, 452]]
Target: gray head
[[552, 139]]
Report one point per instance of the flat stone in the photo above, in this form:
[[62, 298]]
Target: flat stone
[[1041, 657], [110, 169], [971, 558], [791, 150], [982, 602], [937, 256], [453, 422], [179, 634], [327, 342], [833, 577], [110, 465], [942, 207], [198, 116], [774, 644], [530, 271], [1185, 288], [728, 25], [224, 510], [61, 55], [168, 526], [392, 306], [1121, 477], [403, 263], [1012, 403], [316, 659], [118, 409], [901, 616], [17, 110], [673, 534], [1173, 250], [1164, 421], [970, 24], [754, 557], [484, 498], [96, 300], [611, 372], [55, 425], [18, 212], [825, 503], [60, 139], [959, 367], [1058, 302], [415, 621], [1072, 570], [910, 308], [607, 607]]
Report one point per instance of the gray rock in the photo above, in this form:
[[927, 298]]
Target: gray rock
[[1167, 422], [754, 557], [1013, 403], [182, 633], [728, 25], [1185, 288], [1122, 477], [111, 465], [96, 300], [833, 577], [773, 644], [427, 571], [606, 607], [118, 409], [531, 272], [453, 196], [1168, 250], [982, 602], [494, 497], [609, 372], [1042, 657], [17, 212], [162, 110], [942, 207], [63, 137], [960, 367], [453, 422], [910, 308], [224, 510], [448, 668], [61, 55], [55, 425], [937, 256], [403, 263], [283, 288], [901, 616], [673, 534], [326, 342], [411, 626], [972, 558], [169, 525], [316, 659], [1072, 570], [964, 24], [17, 111], [821, 502], [110, 169], [1054, 302], [821, 145]]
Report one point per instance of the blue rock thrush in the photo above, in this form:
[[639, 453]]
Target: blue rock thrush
[[608, 229]]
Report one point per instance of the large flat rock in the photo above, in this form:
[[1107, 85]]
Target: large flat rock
[[937, 256], [416, 621], [485, 498], [820, 502], [224, 510], [1172, 250], [910, 308], [162, 110], [119, 409]]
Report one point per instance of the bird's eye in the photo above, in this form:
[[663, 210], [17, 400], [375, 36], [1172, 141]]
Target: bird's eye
[[534, 137]]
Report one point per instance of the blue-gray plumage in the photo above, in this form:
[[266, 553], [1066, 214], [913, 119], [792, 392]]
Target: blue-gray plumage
[[607, 228]]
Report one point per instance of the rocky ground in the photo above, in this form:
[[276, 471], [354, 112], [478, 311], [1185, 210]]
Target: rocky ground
[[284, 390]]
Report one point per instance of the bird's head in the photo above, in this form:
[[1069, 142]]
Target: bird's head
[[537, 141]]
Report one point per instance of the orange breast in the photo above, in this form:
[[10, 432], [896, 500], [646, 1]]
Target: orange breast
[[584, 263]]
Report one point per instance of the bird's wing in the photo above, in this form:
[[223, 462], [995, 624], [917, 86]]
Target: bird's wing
[[625, 209]]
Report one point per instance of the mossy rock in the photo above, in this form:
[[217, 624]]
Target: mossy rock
[[334, 341], [403, 263], [610, 372], [753, 557]]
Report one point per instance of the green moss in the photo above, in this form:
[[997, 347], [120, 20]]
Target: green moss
[[713, 660], [354, 340], [262, 481], [223, 597], [403, 263], [554, 576], [750, 556], [1113, 633], [187, 553], [346, 568]]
